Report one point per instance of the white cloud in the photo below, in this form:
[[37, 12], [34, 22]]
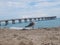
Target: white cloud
[[54, 11], [30, 10], [31, 14], [16, 4], [25, 4], [47, 4]]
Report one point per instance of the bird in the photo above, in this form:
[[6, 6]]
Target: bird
[[31, 24]]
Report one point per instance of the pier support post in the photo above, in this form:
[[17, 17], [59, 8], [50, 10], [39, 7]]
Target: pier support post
[[42, 18], [35, 19], [49, 18], [25, 19], [38, 19], [13, 21], [46, 18], [30, 19], [6, 22], [19, 20]]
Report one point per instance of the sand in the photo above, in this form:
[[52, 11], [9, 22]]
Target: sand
[[45, 36]]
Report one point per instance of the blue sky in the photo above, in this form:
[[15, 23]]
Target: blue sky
[[29, 8]]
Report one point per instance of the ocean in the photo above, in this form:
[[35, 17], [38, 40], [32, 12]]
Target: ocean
[[38, 24]]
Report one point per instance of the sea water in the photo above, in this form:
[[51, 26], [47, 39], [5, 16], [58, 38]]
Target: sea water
[[38, 24]]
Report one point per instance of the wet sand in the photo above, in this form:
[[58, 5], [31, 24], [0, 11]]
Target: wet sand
[[45, 36]]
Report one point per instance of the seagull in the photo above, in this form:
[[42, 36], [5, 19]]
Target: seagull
[[31, 24]]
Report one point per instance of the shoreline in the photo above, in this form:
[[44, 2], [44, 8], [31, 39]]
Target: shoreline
[[18, 28], [43, 36]]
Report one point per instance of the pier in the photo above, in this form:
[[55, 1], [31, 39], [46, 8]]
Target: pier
[[26, 19]]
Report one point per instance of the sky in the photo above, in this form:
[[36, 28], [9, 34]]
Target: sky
[[11, 9]]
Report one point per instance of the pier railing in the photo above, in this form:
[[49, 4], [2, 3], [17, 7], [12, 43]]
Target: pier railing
[[26, 19]]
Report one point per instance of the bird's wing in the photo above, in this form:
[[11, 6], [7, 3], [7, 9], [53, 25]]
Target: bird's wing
[[29, 25]]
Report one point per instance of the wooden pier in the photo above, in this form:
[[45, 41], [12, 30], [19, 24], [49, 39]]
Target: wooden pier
[[26, 19]]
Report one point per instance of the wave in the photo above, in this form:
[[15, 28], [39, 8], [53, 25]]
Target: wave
[[18, 28]]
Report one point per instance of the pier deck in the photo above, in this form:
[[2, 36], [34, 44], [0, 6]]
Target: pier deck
[[26, 19]]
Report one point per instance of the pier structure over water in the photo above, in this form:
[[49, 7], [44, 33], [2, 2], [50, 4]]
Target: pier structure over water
[[26, 19]]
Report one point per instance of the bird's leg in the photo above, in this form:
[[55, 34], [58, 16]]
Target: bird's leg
[[32, 27]]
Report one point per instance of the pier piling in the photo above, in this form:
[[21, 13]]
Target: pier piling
[[13, 21], [19, 20], [38, 19], [34, 18], [30, 19], [6, 22], [42, 18], [25, 19]]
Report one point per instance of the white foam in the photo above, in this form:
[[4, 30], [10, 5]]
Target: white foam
[[18, 28]]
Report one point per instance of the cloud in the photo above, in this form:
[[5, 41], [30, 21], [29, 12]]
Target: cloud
[[29, 8], [16, 4], [31, 14], [54, 11], [30, 3]]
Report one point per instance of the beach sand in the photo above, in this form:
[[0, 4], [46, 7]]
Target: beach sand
[[45, 36]]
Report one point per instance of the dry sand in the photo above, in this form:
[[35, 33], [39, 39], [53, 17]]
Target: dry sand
[[45, 36]]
